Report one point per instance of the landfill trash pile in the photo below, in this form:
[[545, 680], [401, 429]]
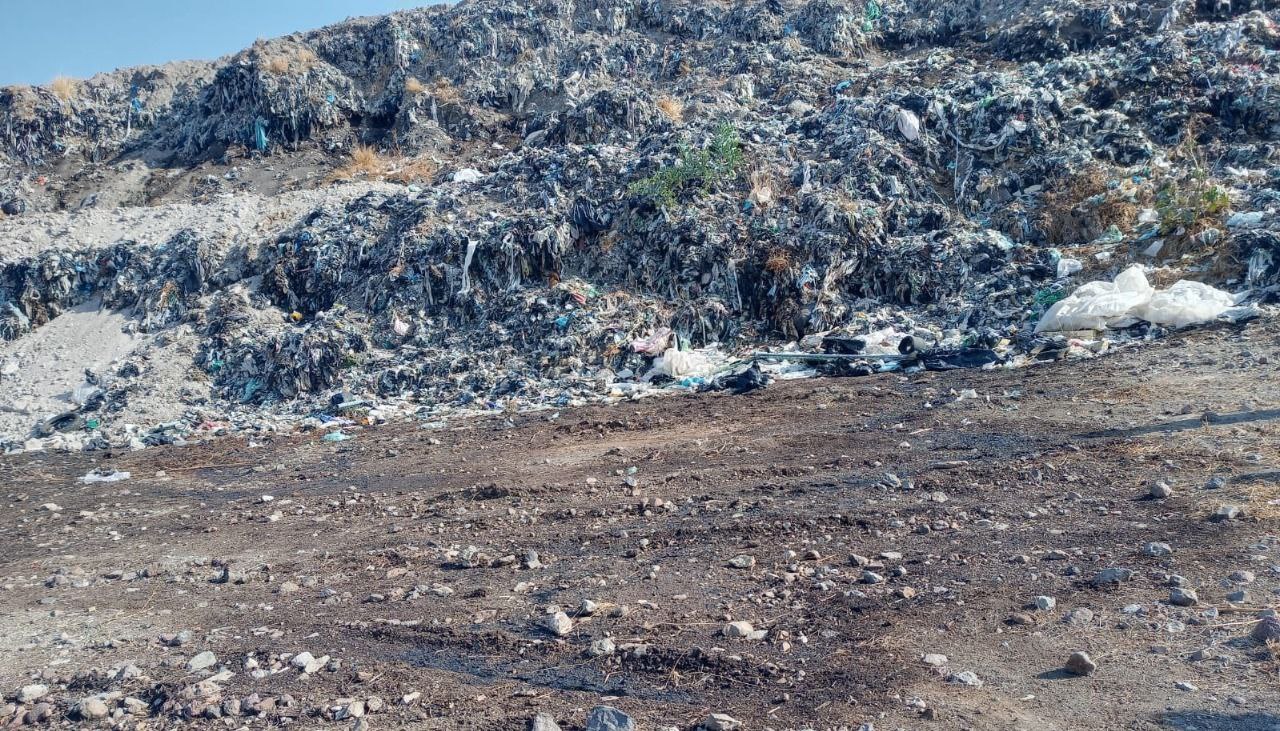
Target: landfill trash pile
[[545, 204]]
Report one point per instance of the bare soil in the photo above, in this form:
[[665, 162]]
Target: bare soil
[[1029, 489]]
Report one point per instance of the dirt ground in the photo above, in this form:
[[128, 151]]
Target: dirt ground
[[871, 520]]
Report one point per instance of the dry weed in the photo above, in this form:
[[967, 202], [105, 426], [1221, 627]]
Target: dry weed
[[364, 162], [277, 64], [299, 60], [1062, 217], [671, 107], [64, 87], [413, 87], [444, 91], [761, 189], [409, 170], [778, 262]]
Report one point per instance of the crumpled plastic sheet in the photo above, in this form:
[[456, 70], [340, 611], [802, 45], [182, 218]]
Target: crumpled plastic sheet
[[1129, 299]]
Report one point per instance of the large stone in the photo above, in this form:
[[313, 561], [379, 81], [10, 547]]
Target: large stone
[[1267, 630], [92, 708], [1180, 597], [558, 624], [608, 718], [1081, 664], [721, 722]]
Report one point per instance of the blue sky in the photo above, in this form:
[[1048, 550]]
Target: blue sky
[[41, 39]]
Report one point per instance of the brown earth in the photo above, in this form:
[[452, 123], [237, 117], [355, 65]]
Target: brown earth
[[1055, 458]]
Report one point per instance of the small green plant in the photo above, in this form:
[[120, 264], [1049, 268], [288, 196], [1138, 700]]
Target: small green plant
[[1189, 204], [717, 162], [1184, 206]]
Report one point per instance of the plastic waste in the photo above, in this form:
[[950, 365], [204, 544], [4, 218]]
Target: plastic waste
[[1186, 303], [100, 475], [680, 364], [654, 343], [1129, 299], [745, 381], [1252, 219], [1067, 267], [337, 436], [909, 124]]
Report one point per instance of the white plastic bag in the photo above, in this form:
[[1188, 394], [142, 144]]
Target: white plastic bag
[[678, 364], [1130, 298], [1099, 305], [1186, 303], [908, 124]]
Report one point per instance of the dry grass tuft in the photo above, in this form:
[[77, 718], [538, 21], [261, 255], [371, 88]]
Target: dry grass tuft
[[304, 58], [297, 61], [1262, 500], [411, 170], [778, 262], [671, 107], [1062, 216], [278, 64], [413, 87], [445, 92], [64, 87], [761, 189], [365, 159], [366, 162]]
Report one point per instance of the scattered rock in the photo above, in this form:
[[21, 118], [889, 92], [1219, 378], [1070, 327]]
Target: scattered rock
[[1081, 664], [544, 722], [1161, 490], [558, 624], [742, 561], [934, 659], [1225, 513], [1109, 576], [965, 677], [1045, 603], [721, 722], [738, 629], [201, 661], [92, 708], [608, 718], [1180, 597], [1079, 617], [602, 647], [1267, 630], [1157, 549], [32, 693]]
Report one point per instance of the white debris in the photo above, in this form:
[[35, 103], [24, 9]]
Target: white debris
[[1130, 299]]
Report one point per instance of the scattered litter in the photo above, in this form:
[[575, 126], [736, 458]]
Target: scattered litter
[[100, 475]]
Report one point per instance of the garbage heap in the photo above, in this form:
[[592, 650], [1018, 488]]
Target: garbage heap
[[597, 182]]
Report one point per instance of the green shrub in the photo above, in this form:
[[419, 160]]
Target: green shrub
[[720, 160]]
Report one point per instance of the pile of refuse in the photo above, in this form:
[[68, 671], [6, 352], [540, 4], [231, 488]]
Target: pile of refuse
[[604, 199]]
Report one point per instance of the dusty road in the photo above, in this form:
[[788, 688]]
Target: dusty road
[[856, 525]]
